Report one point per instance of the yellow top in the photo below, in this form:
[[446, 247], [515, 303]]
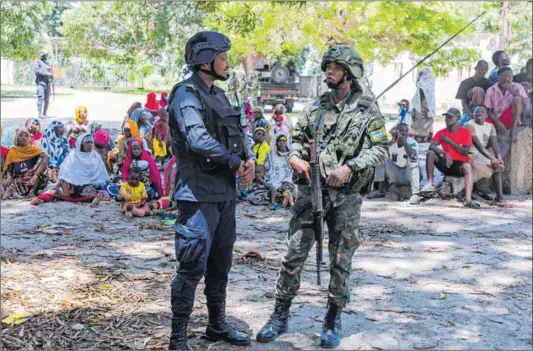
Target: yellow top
[[261, 151], [133, 195]]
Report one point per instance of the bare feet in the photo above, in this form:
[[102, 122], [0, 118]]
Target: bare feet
[[514, 136], [36, 201], [8, 193], [99, 197]]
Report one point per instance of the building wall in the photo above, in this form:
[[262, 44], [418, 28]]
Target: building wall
[[7, 72]]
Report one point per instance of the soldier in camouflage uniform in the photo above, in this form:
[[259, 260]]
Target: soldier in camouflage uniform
[[43, 79], [352, 140]]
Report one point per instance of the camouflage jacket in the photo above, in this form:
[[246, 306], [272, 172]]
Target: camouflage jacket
[[345, 122]]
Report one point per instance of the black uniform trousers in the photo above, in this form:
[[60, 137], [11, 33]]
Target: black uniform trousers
[[205, 234]]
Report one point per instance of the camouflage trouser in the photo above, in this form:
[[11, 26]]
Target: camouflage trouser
[[43, 95], [342, 220]]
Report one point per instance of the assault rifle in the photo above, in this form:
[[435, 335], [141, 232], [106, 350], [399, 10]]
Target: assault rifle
[[317, 224]]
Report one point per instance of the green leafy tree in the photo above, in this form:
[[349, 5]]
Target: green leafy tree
[[23, 28], [380, 31]]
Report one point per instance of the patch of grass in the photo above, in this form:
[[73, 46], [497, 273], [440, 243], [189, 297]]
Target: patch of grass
[[130, 91], [17, 93]]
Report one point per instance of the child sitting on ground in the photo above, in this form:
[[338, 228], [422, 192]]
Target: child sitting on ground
[[133, 195], [260, 192]]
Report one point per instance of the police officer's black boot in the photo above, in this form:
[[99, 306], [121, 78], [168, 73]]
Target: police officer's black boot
[[178, 336], [331, 328], [277, 323], [219, 329]]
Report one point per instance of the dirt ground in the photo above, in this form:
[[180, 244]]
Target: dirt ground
[[430, 276], [433, 276]]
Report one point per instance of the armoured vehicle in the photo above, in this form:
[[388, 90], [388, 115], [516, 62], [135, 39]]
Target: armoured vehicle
[[277, 84]]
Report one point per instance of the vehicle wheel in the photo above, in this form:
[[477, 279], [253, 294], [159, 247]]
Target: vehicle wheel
[[280, 74]]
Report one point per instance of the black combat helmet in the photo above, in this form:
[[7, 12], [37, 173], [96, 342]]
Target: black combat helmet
[[204, 46]]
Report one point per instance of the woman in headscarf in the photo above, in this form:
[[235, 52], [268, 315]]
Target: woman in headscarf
[[81, 175], [279, 172], [161, 136], [145, 124], [163, 99], [151, 177], [8, 136], [423, 106], [132, 108], [56, 147], [79, 126], [101, 145], [24, 171], [129, 131], [152, 105], [33, 126]]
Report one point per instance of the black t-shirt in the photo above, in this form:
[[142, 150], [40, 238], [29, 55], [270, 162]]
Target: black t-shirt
[[470, 83], [521, 77]]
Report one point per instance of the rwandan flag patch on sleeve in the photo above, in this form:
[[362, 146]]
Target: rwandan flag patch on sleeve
[[379, 135]]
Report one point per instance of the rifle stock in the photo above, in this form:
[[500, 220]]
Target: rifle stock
[[317, 224]]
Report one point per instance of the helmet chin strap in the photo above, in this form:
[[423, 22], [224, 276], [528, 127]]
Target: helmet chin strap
[[212, 72], [344, 79]]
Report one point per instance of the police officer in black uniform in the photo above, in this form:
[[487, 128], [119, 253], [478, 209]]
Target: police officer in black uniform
[[43, 79], [208, 140]]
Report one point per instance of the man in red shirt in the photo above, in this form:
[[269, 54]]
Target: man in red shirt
[[452, 159]]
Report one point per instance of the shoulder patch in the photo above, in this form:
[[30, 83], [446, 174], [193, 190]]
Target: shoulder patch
[[379, 135]]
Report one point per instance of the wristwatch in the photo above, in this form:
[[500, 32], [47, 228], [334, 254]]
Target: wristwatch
[[352, 164]]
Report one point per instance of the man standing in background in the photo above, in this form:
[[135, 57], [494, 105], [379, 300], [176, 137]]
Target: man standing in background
[[43, 79]]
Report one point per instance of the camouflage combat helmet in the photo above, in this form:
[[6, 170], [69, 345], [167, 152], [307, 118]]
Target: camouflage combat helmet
[[345, 56]]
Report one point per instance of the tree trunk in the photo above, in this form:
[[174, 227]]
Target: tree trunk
[[505, 26]]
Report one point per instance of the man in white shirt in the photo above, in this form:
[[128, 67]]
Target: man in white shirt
[[485, 163], [402, 166]]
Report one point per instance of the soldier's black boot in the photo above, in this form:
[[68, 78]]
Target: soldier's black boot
[[277, 324], [331, 328], [219, 329], [178, 335]]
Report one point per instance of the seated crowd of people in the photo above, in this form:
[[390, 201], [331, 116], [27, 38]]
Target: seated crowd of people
[[473, 144], [80, 163]]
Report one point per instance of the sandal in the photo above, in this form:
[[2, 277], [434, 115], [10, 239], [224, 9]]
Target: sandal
[[473, 204]]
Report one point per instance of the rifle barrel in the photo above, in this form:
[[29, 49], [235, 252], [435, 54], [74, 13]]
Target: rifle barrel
[[427, 56]]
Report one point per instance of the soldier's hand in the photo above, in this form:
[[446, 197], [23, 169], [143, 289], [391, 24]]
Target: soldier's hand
[[301, 168], [338, 176]]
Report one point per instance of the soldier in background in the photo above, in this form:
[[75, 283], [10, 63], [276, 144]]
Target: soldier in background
[[354, 142], [43, 79]]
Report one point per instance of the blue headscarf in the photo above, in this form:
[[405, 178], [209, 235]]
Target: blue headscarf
[[8, 136], [55, 146]]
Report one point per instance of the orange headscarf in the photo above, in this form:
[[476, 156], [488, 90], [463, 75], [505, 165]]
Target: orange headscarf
[[21, 153], [134, 133], [77, 115]]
